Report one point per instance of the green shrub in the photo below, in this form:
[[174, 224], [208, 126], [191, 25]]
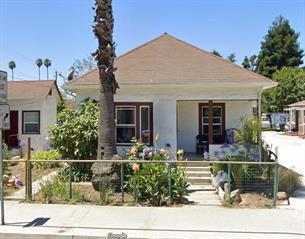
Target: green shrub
[[57, 190], [289, 181], [149, 182], [106, 191], [80, 172], [76, 134], [45, 155]]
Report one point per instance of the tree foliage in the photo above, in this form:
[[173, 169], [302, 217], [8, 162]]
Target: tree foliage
[[280, 48], [75, 135], [290, 89], [82, 66], [216, 53], [232, 57]]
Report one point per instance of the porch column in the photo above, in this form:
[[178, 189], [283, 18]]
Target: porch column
[[210, 112], [165, 122], [290, 119]]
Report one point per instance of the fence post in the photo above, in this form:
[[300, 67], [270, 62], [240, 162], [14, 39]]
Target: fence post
[[1, 180], [170, 181], [70, 180], [27, 170], [122, 182], [229, 179], [275, 184]]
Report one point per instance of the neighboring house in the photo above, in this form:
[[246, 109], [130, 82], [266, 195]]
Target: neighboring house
[[297, 117], [33, 108], [170, 87]]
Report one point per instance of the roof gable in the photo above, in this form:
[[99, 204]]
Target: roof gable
[[28, 89], [168, 60]]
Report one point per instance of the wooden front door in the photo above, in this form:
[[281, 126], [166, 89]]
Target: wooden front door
[[11, 136], [212, 122]]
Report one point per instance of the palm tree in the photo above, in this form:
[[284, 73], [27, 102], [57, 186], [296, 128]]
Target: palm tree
[[39, 63], [12, 66], [47, 63], [104, 55]]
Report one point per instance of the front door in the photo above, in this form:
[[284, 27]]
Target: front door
[[11, 136], [212, 122]]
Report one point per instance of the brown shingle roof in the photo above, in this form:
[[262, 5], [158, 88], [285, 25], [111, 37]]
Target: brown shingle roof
[[298, 104], [28, 89], [168, 60]]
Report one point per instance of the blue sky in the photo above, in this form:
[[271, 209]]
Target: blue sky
[[61, 29]]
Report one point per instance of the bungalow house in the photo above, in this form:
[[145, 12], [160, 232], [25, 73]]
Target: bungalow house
[[297, 117], [33, 108], [171, 87]]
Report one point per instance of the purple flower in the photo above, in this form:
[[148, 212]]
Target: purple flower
[[21, 143], [141, 155], [254, 156], [224, 146], [247, 146], [15, 152], [233, 149]]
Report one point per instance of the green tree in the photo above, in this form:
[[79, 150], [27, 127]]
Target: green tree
[[280, 48], [232, 57], [290, 89], [75, 135], [216, 53], [39, 63], [47, 63], [246, 63], [12, 66]]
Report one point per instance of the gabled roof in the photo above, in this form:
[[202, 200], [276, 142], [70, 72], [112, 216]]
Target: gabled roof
[[168, 60], [31, 89], [298, 104]]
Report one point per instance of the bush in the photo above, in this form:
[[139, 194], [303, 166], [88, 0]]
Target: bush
[[289, 181], [57, 190], [45, 155], [76, 134], [81, 172], [149, 182]]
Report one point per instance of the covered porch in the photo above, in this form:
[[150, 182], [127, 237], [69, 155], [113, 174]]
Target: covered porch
[[297, 117], [210, 120]]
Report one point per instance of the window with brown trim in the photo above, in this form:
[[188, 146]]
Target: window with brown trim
[[31, 122], [133, 120], [212, 124]]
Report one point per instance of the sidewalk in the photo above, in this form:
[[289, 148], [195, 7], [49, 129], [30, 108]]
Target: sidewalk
[[87, 221]]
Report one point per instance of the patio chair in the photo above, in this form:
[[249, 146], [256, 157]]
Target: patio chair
[[202, 144]]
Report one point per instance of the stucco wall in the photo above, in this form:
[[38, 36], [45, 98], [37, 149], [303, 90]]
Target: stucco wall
[[47, 108], [168, 102]]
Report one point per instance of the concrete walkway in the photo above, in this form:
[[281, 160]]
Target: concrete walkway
[[87, 221], [203, 195]]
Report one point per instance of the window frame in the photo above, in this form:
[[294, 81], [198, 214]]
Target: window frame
[[134, 125], [23, 122], [210, 127], [137, 106]]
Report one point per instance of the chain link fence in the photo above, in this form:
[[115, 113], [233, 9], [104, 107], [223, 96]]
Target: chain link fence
[[133, 182]]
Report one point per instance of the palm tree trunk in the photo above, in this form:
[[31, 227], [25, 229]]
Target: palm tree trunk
[[47, 73], [39, 73], [12, 74]]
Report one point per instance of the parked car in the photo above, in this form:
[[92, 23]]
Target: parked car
[[265, 122]]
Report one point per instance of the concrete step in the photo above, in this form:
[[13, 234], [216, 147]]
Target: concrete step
[[194, 164], [198, 173], [199, 180], [198, 169]]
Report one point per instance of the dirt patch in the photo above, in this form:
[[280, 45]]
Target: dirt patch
[[255, 200]]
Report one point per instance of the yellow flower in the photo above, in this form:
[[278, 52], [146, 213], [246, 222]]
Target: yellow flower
[[133, 151], [162, 151], [135, 167], [180, 152], [157, 137]]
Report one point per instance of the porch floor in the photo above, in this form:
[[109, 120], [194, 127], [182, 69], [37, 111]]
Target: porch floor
[[191, 156]]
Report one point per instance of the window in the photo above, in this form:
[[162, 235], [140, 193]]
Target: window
[[212, 122], [126, 124], [31, 122], [133, 120]]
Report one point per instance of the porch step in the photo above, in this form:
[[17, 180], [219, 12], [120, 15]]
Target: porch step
[[199, 180], [197, 169], [194, 164], [198, 174]]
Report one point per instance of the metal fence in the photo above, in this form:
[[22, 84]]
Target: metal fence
[[127, 183]]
